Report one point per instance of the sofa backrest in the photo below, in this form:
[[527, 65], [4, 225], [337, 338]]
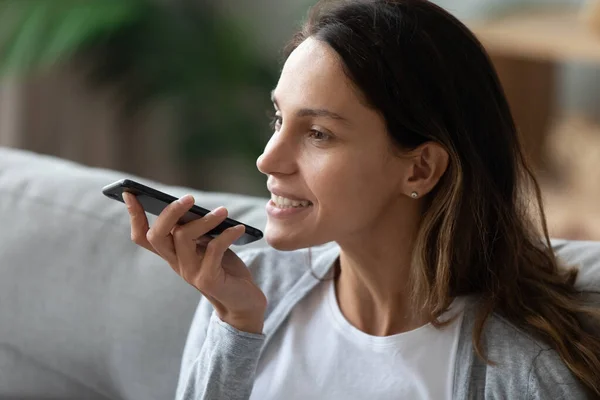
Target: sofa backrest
[[85, 313]]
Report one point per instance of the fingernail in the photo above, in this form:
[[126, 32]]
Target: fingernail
[[188, 199], [242, 228], [126, 198], [219, 212]]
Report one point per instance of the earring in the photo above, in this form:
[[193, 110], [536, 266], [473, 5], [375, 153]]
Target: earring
[[414, 195]]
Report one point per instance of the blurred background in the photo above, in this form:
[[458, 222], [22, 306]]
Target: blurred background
[[178, 90]]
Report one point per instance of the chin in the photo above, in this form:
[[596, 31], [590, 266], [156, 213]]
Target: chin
[[281, 240], [283, 243]]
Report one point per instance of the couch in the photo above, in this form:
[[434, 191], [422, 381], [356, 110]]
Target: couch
[[85, 313]]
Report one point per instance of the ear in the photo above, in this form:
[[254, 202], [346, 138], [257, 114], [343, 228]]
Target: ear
[[427, 164]]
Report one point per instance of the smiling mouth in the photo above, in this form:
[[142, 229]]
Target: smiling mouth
[[283, 202]]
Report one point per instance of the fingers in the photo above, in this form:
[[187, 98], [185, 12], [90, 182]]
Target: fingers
[[211, 267], [138, 221], [159, 236], [179, 244], [203, 241], [200, 227], [186, 239]]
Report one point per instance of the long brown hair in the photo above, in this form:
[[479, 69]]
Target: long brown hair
[[431, 79]]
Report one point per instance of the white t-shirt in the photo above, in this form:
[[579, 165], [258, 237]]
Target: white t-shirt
[[318, 354]]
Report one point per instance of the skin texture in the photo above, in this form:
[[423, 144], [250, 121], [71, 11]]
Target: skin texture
[[358, 182]]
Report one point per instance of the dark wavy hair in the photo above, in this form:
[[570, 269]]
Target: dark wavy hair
[[431, 80]]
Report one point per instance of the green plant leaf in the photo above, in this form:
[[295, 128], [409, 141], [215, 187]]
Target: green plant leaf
[[182, 52], [37, 33]]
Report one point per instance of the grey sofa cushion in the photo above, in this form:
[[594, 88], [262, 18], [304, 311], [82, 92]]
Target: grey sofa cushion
[[22, 377], [82, 309]]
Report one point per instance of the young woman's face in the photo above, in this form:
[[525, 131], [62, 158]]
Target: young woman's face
[[330, 163]]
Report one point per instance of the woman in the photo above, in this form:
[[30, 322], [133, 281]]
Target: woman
[[393, 145]]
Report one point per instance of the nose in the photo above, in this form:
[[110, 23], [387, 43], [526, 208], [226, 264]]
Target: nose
[[278, 157]]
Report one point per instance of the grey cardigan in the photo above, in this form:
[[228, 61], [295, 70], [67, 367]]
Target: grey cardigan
[[219, 362]]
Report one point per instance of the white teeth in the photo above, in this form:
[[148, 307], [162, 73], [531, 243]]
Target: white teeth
[[283, 202]]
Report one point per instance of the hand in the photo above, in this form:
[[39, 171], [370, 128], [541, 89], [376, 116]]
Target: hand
[[205, 263]]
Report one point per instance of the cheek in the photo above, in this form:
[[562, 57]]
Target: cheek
[[351, 193]]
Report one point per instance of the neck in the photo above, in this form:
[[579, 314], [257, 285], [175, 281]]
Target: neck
[[372, 284]]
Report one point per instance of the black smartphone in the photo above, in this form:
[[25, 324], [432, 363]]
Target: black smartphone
[[154, 201]]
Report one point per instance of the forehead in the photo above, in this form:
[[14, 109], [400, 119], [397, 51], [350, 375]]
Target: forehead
[[313, 75]]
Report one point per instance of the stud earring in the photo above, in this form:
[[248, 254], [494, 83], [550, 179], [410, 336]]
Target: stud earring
[[414, 195]]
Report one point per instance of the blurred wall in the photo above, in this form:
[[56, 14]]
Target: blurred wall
[[272, 21], [578, 86]]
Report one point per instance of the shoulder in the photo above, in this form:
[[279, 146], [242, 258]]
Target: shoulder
[[550, 378], [521, 366]]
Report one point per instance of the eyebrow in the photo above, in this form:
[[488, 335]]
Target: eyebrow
[[312, 112]]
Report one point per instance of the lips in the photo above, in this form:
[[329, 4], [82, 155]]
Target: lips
[[283, 199], [284, 202]]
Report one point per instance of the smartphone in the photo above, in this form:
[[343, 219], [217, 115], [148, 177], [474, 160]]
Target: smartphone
[[154, 201]]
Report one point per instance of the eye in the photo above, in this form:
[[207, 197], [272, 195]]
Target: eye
[[276, 121], [319, 136]]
